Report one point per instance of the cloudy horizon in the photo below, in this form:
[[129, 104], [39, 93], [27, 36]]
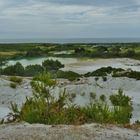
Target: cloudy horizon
[[69, 18]]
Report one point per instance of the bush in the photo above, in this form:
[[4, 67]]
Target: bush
[[34, 52], [93, 95], [103, 71], [13, 85], [103, 98], [104, 78], [120, 99], [70, 75], [96, 78], [15, 79], [45, 78], [50, 65], [33, 70], [16, 69]]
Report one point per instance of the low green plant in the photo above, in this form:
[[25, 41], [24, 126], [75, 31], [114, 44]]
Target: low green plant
[[96, 78], [82, 94], [97, 112], [93, 95], [121, 115], [45, 78], [72, 96], [103, 98], [120, 99], [13, 85], [52, 65], [104, 78], [15, 79], [70, 75]]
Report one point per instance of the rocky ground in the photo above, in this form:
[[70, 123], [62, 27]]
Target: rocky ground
[[24, 131]]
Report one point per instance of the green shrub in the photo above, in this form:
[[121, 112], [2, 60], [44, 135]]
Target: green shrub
[[72, 96], [103, 98], [70, 75], [96, 78], [33, 70], [104, 78], [121, 115], [82, 93], [52, 65], [16, 69], [120, 99], [15, 79], [103, 71], [93, 95], [13, 85], [45, 78], [97, 112]]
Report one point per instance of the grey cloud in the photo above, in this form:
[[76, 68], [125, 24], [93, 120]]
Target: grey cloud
[[60, 18], [94, 2]]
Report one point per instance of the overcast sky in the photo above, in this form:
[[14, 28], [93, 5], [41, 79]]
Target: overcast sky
[[69, 18]]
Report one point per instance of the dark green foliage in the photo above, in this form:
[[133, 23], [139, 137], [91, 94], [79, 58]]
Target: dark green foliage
[[13, 85], [103, 71], [122, 115], [34, 52], [79, 50], [129, 74], [2, 61], [103, 98], [115, 72], [70, 75], [93, 50], [45, 78], [97, 112], [120, 99], [33, 70], [96, 78], [104, 78], [52, 65], [93, 95], [16, 69], [15, 79]]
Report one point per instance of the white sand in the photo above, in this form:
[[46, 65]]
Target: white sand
[[89, 65], [24, 131]]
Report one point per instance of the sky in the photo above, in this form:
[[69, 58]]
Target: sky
[[69, 19]]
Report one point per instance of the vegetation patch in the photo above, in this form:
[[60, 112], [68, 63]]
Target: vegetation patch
[[70, 75], [13, 85], [15, 79], [32, 70], [43, 108]]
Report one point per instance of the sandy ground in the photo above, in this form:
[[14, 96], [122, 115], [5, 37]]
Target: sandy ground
[[24, 131], [88, 65], [8, 94]]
